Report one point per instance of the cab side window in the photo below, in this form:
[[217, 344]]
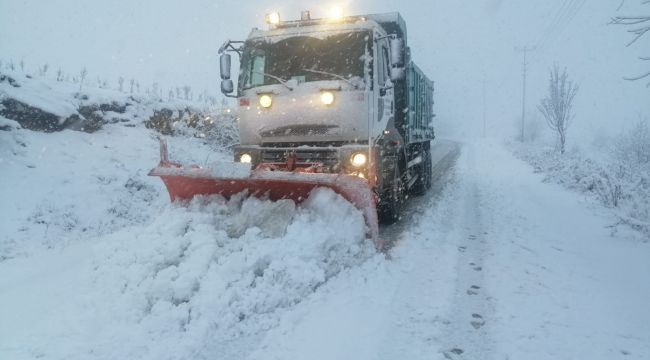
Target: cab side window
[[384, 66]]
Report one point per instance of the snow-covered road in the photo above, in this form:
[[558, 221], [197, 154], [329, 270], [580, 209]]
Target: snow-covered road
[[497, 266], [491, 264]]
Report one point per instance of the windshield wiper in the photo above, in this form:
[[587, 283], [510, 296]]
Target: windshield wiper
[[356, 86], [280, 80]]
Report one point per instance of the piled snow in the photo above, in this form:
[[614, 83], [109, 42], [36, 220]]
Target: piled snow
[[166, 289]]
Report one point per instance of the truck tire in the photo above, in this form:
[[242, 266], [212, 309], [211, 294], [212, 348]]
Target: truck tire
[[390, 205], [429, 172], [423, 183]]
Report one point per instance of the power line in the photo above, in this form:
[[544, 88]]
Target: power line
[[554, 22], [551, 31], [564, 18]]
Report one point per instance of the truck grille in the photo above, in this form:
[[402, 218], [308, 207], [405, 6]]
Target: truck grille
[[323, 156], [302, 130]]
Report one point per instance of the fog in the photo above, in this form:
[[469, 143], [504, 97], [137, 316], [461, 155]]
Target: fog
[[460, 44]]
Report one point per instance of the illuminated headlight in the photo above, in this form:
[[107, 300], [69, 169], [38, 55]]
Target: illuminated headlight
[[245, 158], [272, 18], [327, 98], [358, 160], [266, 101], [336, 13]]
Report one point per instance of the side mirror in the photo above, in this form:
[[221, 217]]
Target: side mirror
[[397, 73], [227, 87], [224, 61], [397, 52]]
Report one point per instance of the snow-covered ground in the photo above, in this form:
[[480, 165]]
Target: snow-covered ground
[[96, 264], [499, 266]]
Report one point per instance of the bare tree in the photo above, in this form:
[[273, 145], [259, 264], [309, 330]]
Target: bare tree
[[186, 90], [131, 84], [82, 77], [155, 89], [22, 65], [640, 25], [59, 75], [557, 105], [120, 83], [42, 70]]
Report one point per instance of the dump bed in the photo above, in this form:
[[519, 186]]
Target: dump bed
[[419, 102]]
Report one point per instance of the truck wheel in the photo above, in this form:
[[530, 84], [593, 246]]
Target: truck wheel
[[390, 205], [423, 183], [429, 171]]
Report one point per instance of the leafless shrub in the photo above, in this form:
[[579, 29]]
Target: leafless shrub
[[632, 148], [557, 106], [82, 77], [609, 190], [41, 70]]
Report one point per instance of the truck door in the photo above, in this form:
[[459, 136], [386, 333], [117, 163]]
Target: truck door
[[385, 92]]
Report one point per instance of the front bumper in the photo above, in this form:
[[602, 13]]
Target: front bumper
[[331, 159]]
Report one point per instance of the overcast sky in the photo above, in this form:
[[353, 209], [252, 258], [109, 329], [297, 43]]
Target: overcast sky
[[458, 43]]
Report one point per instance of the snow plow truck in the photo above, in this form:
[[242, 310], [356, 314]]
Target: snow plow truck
[[335, 102]]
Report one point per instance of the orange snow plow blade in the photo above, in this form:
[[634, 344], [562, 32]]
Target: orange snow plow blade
[[184, 182]]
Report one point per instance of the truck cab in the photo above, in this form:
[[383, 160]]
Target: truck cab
[[335, 96]]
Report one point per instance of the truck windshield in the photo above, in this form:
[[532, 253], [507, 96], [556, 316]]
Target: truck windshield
[[305, 58]]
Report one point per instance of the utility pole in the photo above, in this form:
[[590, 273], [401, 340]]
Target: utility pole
[[525, 50], [484, 107]]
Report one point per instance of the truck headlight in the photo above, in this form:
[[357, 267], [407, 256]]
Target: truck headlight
[[336, 13], [245, 158], [266, 101], [327, 98], [272, 18], [358, 160]]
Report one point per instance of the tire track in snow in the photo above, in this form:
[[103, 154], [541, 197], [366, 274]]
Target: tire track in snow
[[444, 153], [468, 329]]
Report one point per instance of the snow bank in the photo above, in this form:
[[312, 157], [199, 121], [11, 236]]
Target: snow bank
[[168, 289], [622, 188], [66, 187]]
